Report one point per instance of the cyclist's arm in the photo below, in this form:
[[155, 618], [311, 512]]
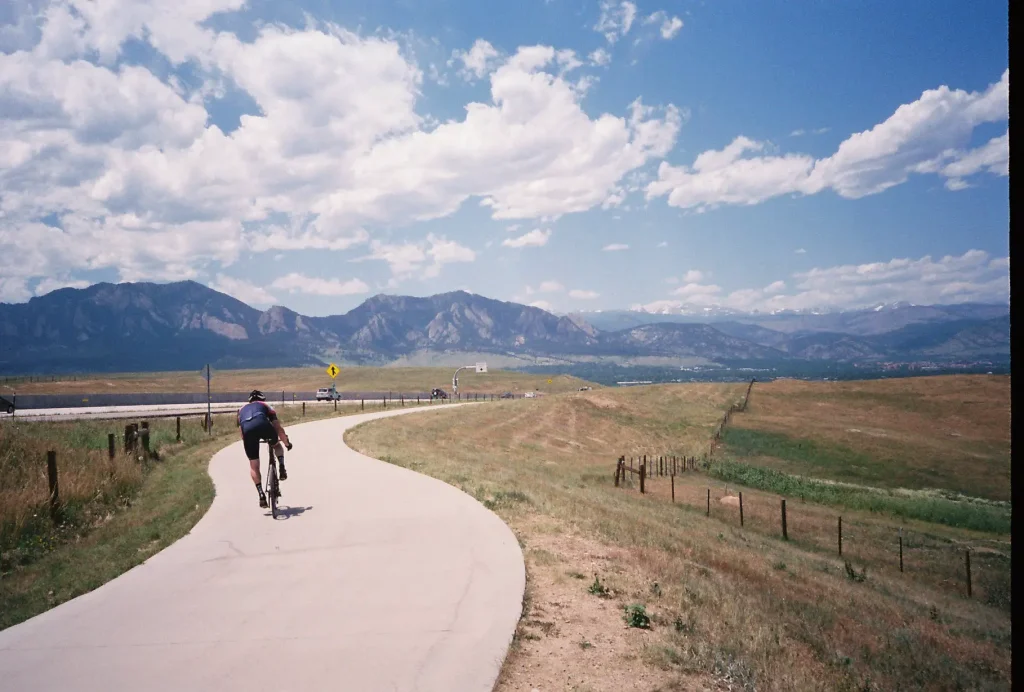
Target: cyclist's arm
[[280, 430], [272, 416]]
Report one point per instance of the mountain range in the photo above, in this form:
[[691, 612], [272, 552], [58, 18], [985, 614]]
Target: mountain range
[[146, 326]]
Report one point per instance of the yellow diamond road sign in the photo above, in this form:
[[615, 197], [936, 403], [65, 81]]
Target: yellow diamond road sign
[[333, 370], [549, 381]]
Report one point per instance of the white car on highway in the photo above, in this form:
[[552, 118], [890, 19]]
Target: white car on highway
[[327, 394]]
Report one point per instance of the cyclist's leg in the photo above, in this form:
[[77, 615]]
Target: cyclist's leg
[[251, 442], [271, 433]]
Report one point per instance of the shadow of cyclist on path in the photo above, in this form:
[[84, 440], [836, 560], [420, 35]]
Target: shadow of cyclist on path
[[289, 512]]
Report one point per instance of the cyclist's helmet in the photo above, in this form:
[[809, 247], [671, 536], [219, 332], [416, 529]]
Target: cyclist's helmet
[[256, 395]]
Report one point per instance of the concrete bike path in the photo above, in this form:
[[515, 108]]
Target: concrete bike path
[[376, 578]]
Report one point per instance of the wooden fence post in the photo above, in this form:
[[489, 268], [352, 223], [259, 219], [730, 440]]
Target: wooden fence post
[[51, 473], [643, 473], [618, 470], [177, 425], [144, 435], [673, 488], [335, 404], [709, 502], [127, 438], [901, 550], [402, 396], [840, 536], [785, 534], [362, 404], [741, 509], [110, 445], [967, 557], [303, 409]]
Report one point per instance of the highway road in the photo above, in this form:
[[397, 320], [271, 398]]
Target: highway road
[[375, 578], [158, 410]]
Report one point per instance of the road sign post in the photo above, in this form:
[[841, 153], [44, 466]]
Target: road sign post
[[333, 371]]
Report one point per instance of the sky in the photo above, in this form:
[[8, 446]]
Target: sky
[[569, 154]]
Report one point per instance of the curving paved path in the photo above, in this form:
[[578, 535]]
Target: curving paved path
[[378, 578]]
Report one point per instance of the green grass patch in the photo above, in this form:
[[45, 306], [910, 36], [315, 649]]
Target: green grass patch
[[836, 461], [936, 506]]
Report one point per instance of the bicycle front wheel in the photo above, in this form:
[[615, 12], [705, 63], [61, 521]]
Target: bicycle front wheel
[[273, 491]]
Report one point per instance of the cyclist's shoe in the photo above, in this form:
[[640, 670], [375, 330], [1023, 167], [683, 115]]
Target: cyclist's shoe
[[288, 446], [263, 501], [284, 473]]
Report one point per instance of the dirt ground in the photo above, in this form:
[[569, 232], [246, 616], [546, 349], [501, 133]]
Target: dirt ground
[[571, 639]]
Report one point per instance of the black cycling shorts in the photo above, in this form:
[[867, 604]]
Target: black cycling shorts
[[251, 439]]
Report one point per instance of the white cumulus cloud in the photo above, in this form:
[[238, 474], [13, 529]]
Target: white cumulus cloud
[[243, 290], [536, 238], [478, 60], [600, 57], [52, 284], [924, 136], [669, 26], [974, 276], [299, 283], [425, 258], [583, 295], [614, 247], [108, 164], [616, 19]]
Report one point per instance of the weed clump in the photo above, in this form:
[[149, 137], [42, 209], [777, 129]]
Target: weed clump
[[599, 589], [636, 616]]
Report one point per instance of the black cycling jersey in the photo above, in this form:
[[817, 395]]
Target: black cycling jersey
[[255, 414]]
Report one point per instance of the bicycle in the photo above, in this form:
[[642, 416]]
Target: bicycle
[[273, 489]]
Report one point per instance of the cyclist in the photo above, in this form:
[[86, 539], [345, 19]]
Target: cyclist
[[258, 421]]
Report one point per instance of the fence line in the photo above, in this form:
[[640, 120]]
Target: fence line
[[646, 469]]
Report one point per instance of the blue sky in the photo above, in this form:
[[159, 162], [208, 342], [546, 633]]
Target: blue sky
[[574, 155]]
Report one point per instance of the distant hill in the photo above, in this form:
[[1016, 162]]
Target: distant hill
[[147, 326], [860, 322]]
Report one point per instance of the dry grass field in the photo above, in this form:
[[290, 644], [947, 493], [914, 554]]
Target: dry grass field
[[296, 379], [950, 433], [728, 607]]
